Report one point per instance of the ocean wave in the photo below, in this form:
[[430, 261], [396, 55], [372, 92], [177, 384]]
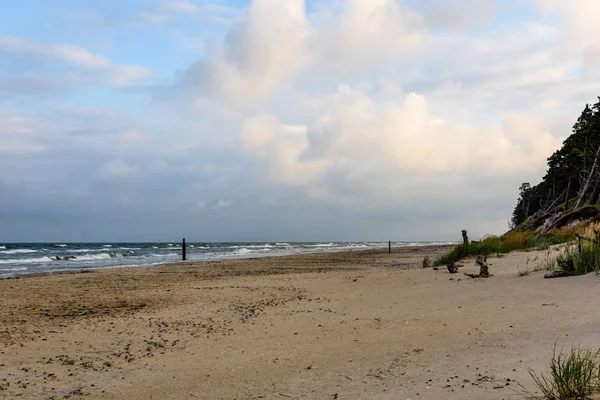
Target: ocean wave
[[60, 245], [18, 251], [243, 250], [13, 269], [84, 250], [107, 245], [2, 247], [85, 257], [25, 260], [163, 255], [355, 246], [253, 246], [321, 245]]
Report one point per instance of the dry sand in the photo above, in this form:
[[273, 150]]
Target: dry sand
[[362, 325]]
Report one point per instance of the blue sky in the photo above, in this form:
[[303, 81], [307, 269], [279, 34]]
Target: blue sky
[[279, 120]]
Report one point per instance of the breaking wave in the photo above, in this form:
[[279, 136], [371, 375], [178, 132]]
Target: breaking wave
[[18, 251]]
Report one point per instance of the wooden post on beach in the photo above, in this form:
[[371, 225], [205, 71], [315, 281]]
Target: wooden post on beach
[[390, 247], [465, 238], [183, 251]]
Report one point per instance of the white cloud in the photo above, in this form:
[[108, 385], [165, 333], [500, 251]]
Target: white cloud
[[456, 14], [20, 134], [118, 171], [115, 74], [356, 134], [277, 39], [182, 6], [132, 138], [223, 204], [368, 112]]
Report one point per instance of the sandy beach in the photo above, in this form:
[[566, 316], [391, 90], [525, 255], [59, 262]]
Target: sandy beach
[[349, 325]]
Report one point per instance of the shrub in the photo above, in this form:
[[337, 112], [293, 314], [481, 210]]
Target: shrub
[[575, 375]]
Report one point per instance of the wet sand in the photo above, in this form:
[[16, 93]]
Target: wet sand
[[329, 326]]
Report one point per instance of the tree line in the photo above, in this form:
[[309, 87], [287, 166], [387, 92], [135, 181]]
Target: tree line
[[572, 179]]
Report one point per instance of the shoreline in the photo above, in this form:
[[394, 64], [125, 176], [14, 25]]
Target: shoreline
[[348, 325], [77, 270]]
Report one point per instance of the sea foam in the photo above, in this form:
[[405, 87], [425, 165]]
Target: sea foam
[[18, 251]]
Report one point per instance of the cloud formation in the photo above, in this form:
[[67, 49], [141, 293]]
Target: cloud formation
[[76, 56], [293, 120]]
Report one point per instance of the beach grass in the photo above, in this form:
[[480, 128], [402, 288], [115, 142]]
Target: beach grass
[[573, 375], [426, 262], [510, 241]]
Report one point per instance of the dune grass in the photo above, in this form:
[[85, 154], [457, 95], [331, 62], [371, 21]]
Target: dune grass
[[426, 262], [586, 259], [573, 375], [506, 243]]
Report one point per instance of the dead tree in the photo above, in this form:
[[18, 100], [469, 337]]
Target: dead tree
[[586, 185], [567, 268], [483, 269]]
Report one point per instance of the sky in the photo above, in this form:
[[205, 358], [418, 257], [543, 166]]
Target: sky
[[283, 120]]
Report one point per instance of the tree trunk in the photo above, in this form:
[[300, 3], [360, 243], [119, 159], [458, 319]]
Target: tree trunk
[[586, 185], [568, 193], [595, 193]]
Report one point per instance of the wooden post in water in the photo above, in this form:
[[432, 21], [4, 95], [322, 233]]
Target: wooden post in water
[[183, 251], [390, 247]]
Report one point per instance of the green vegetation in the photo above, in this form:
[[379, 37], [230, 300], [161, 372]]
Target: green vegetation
[[586, 261], [506, 243], [426, 262], [575, 375], [572, 179]]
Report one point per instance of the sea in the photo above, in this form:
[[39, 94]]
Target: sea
[[17, 259]]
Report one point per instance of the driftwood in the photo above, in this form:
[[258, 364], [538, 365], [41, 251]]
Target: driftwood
[[483, 269], [453, 267], [566, 269]]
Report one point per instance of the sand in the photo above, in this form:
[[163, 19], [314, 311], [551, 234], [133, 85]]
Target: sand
[[361, 325]]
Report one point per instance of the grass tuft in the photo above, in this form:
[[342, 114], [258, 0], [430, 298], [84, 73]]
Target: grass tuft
[[574, 375], [426, 262]]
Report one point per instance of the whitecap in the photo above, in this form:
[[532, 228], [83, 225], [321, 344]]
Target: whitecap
[[18, 251], [60, 245], [25, 260], [2, 247], [243, 250], [13, 269], [84, 250], [164, 255]]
